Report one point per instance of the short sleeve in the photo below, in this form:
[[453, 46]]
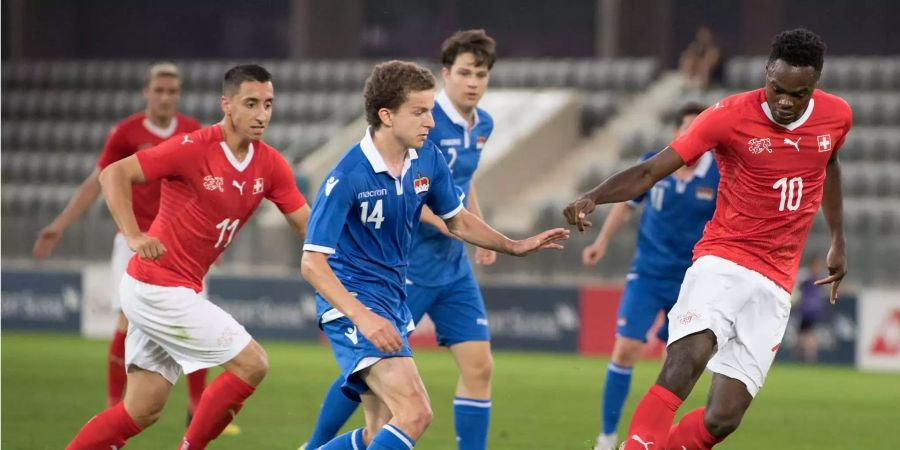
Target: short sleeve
[[840, 142], [283, 190], [329, 214], [443, 196], [711, 129], [635, 202], [114, 149], [167, 160]]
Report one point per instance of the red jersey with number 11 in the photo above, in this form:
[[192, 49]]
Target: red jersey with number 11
[[207, 196], [772, 178]]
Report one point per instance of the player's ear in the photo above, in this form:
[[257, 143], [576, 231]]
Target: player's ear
[[445, 72], [226, 105], [386, 116]]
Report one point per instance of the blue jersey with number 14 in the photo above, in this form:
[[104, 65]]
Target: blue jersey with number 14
[[436, 259]]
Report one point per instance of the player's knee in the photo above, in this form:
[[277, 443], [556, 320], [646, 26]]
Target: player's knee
[[720, 422], [145, 414], [479, 370], [254, 364], [416, 417]]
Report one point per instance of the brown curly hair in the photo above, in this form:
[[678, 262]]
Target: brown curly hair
[[390, 84], [476, 42]]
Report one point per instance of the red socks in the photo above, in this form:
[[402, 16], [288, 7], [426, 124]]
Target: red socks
[[196, 382], [652, 420], [691, 433], [109, 429], [115, 370], [220, 402]]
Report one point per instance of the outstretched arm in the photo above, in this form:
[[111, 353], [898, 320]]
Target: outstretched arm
[[84, 197], [623, 186], [833, 209], [473, 230]]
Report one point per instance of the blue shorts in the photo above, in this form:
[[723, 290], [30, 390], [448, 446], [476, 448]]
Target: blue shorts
[[642, 300], [457, 310], [354, 352]]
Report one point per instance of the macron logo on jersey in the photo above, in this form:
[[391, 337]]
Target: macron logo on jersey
[[351, 334], [330, 184]]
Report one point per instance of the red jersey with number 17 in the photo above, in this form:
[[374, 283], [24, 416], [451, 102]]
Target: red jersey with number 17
[[207, 196], [772, 178]]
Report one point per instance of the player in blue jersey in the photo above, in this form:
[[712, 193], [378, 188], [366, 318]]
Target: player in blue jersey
[[675, 212], [356, 253], [440, 281]]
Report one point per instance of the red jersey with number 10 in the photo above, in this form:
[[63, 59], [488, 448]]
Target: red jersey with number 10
[[207, 196], [772, 178]]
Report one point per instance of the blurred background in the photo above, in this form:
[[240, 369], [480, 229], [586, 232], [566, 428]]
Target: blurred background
[[581, 88]]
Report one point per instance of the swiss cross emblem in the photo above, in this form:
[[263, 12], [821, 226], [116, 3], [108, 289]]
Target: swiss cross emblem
[[824, 141], [258, 186], [212, 183]]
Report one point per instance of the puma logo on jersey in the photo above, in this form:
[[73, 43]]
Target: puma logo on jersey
[[637, 438], [239, 186], [330, 184], [796, 145], [187, 140], [351, 334]]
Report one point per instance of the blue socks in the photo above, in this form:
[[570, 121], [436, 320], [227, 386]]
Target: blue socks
[[336, 410], [615, 390], [391, 438], [472, 418], [347, 441]]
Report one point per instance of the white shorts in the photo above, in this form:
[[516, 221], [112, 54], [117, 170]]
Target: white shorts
[[171, 329], [747, 312], [121, 254]]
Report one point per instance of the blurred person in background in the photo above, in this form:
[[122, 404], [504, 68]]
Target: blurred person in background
[[157, 123], [439, 280], [675, 212], [701, 61], [810, 300]]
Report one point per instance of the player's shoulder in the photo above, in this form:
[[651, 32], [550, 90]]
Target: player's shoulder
[[428, 152], [187, 123], [737, 103], [832, 103], [484, 117], [353, 160], [131, 122]]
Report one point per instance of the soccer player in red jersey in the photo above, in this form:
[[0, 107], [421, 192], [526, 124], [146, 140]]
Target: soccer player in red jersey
[[214, 180], [158, 122], [777, 151]]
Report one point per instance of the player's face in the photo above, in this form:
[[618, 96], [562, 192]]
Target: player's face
[[788, 90], [411, 122], [250, 109], [162, 95], [465, 82]]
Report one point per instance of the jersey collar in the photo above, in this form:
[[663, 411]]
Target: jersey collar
[[164, 133], [447, 106], [795, 124], [377, 161], [238, 165]]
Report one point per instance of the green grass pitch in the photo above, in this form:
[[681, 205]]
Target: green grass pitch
[[51, 384]]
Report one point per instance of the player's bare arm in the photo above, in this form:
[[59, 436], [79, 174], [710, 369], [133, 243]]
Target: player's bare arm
[[473, 230], [623, 186], [84, 197], [116, 181], [620, 213], [833, 209], [483, 256], [432, 219], [315, 269], [298, 220]]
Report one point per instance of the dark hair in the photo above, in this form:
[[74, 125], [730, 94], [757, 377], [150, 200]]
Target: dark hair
[[476, 42], [239, 74], [688, 109], [799, 48], [390, 84]]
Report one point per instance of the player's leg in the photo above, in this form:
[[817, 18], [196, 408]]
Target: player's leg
[[461, 324], [151, 374], [336, 409], [396, 382], [377, 414], [115, 362], [709, 300]]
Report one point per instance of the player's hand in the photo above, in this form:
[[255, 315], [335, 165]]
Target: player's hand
[[147, 247], [576, 213], [837, 268], [484, 256], [592, 254], [546, 240], [46, 241], [380, 332]]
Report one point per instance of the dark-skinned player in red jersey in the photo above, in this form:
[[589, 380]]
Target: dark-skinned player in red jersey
[[777, 152]]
